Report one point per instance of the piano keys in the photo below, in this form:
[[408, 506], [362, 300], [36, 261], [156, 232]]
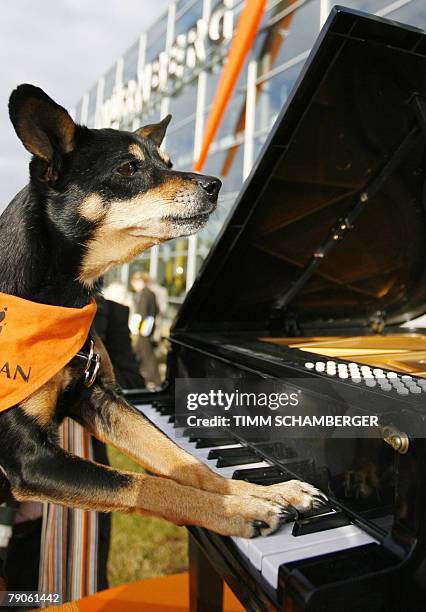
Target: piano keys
[[317, 271], [295, 538]]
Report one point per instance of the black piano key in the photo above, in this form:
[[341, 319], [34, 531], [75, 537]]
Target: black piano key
[[271, 480], [265, 477], [181, 421], [216, 453], [323, 509], [167, 410], [243, 459], [322, 522], [171, 419], [277, 451], [207, 431], [210, 442], [254, 474], [204, 432], [163, 407], [297, 466], [263, 480]]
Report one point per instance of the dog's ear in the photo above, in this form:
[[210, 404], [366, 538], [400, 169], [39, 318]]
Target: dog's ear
[[44, 127], [155, 131]]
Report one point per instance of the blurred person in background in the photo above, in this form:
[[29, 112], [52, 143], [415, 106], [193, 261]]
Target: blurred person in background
[[143, 325], [112, 326], [118, 292], [162, 302]]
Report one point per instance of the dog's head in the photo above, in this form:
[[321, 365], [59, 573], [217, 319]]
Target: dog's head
[[111, 191]]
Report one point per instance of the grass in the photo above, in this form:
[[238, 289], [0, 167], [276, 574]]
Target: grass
[[143, 547]]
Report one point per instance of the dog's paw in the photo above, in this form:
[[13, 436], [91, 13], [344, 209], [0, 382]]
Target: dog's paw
[[249, 517], [293, 494]]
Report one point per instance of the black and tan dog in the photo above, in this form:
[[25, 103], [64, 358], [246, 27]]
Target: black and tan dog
[[97, 198]]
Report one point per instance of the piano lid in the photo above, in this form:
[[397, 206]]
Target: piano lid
[[331, 224]]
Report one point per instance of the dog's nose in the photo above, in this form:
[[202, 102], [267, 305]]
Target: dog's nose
[[211, 186]]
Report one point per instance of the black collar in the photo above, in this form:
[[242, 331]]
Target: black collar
[[92, 360]]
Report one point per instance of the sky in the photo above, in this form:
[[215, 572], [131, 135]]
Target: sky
[[62, 47]]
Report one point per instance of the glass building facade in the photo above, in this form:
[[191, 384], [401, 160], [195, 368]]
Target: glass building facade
[[174, 68]]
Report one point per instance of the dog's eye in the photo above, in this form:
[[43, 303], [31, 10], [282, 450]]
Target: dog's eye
[[128, 169]]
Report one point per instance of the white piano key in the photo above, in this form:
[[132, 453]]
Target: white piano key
[[161, 421], [285, 541], [186, 445], [241, 544], [200, 453], [266, 554], [351, 538], [145, 408]]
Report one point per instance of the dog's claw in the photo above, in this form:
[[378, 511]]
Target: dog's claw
[[321, 500], [288, 513], [258, 526]]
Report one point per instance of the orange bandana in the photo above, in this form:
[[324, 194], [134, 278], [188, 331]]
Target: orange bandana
[[36, 341]]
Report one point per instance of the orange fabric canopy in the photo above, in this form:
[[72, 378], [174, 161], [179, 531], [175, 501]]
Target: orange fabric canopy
[[242, 42], [36, 341], [163, 594]]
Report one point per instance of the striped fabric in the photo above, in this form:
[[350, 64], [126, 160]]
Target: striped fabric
[[69, 541]]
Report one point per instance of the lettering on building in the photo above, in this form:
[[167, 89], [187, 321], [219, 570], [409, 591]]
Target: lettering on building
[[165, 74]]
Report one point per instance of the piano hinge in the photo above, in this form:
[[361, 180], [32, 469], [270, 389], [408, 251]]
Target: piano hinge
[[398, 440]]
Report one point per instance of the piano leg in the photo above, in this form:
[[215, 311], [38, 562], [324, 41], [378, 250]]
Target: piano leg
[[206, 585]]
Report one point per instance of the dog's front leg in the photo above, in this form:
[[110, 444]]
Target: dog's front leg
[[111, 419], [51, 474]]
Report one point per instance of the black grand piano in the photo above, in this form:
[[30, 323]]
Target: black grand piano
[[321, 263]]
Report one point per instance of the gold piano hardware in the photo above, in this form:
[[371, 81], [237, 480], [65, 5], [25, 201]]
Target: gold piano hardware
[[399, 440]]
